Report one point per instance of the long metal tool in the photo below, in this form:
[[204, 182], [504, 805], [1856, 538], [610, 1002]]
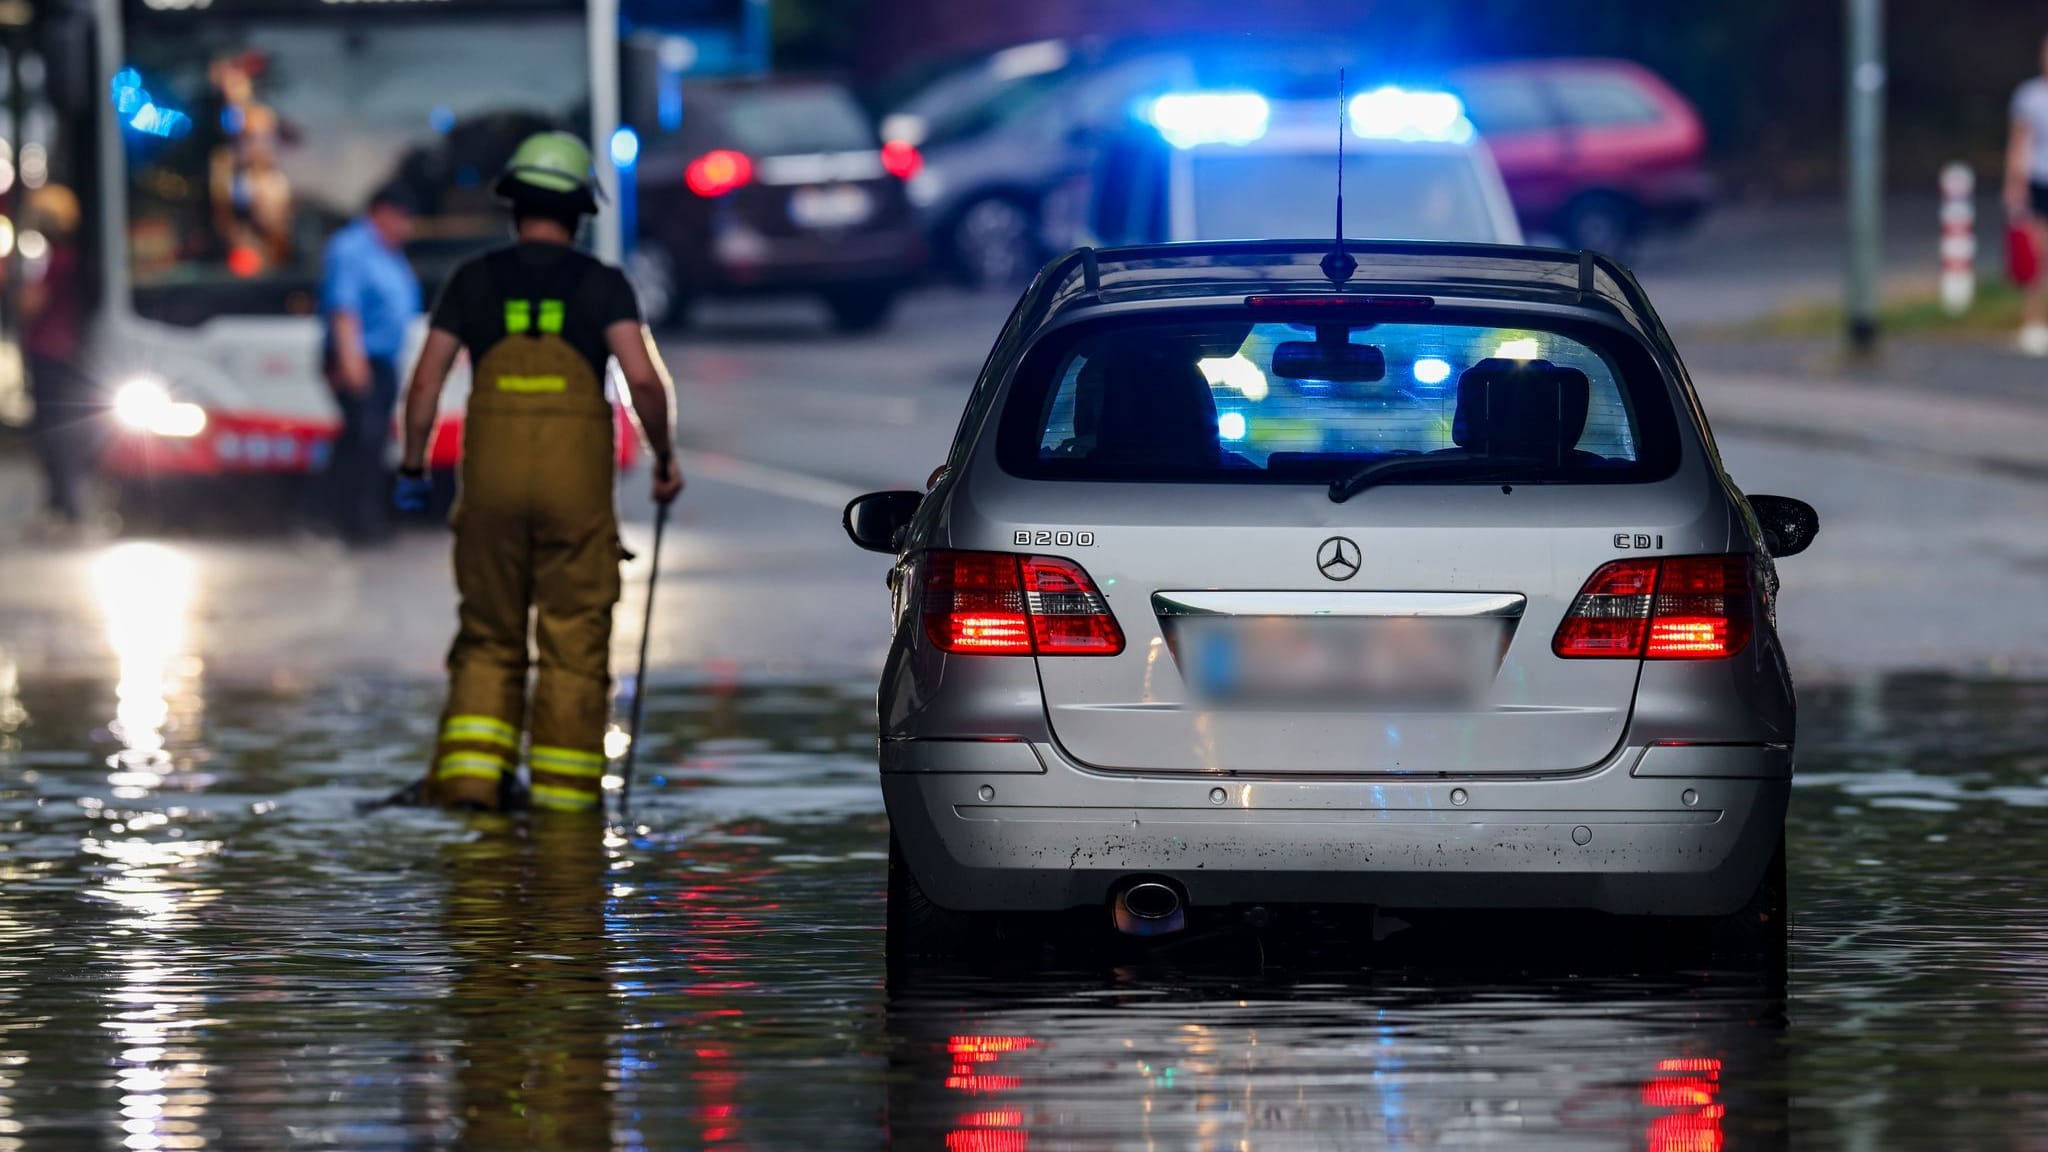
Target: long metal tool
[[640, 677]]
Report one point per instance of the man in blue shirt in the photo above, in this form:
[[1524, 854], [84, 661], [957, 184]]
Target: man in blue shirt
[[368, 298]]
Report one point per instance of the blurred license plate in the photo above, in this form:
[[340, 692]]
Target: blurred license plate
[[1382, 662], [829, 206]]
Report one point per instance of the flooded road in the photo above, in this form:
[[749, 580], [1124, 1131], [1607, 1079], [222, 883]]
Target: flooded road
[[203, 946]]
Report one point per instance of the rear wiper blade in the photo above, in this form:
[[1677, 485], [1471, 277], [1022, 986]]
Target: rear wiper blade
[[1381, 470]]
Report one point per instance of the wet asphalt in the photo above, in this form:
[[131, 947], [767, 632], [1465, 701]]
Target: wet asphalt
[[202, 945]]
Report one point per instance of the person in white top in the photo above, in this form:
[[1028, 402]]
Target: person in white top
[[2026, 195]]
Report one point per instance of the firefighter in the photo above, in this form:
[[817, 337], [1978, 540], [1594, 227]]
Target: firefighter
[[536, 533]]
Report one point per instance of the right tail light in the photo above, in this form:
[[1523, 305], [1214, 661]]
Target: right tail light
[[1673, 608], [901, 159], [1000, 604]]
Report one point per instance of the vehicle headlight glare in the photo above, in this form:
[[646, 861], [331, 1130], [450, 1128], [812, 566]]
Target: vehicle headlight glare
[[144, 404]]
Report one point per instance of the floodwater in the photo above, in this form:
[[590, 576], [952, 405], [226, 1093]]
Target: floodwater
[[203, 946]]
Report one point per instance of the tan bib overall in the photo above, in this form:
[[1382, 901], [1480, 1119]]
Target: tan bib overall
[[536, 534]]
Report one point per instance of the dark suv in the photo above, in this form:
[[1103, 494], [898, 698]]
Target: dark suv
[[775, 185], [1595, 152]]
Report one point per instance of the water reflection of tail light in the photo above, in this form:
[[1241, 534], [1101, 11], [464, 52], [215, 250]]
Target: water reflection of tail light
[[987, 1140], [987, 1047], [970, 1053], [998, 1130], [1690, 1088]]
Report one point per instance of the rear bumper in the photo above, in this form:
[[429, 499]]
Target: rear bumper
[[759, 263], [232, 444], [1050, 834]]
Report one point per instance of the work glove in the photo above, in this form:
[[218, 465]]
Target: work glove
[[415, 492]]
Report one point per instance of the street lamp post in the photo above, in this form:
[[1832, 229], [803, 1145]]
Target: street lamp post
[[1866, 82]]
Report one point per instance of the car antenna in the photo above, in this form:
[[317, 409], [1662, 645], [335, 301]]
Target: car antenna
[[1339, 264]]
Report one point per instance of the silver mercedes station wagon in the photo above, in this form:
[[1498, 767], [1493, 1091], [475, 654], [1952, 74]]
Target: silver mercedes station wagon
[[1405, 575]]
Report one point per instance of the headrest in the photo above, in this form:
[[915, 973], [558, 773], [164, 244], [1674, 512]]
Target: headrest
[[1146, 407], [1521, 408]]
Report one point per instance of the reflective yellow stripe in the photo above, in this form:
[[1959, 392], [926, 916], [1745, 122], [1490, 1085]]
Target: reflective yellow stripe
[[565, 761], [518, 315], [478, 764], [563, 799], [480, 730], [551, 313], [529, 385]]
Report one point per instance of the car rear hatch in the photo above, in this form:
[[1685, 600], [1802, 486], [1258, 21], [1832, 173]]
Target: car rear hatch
[[1408, 629], [814, 164], [1237, 643]]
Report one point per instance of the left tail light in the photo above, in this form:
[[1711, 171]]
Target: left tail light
[[999, 604], [718, 172], [901, 159], [1674, 608]]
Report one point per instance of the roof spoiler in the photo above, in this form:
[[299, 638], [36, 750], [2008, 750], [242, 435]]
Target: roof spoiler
[[1586, 268]]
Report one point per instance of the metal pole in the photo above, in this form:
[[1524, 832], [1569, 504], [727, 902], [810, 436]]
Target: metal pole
[[1866, 83], [757, 35], [1958, 238]]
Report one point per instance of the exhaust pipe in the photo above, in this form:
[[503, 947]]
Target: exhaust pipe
[[1148, 908]]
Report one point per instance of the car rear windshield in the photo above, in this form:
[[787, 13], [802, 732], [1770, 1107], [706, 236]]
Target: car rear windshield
[[1223, 401], [1388, 195], [797, 120]]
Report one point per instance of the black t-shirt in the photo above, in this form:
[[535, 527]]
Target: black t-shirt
[[595, 296]]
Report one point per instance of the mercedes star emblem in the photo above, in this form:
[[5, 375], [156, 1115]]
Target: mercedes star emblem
[[1338, 558]]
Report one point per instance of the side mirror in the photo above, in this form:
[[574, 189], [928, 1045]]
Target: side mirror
[[876, 521], [1789, 525]]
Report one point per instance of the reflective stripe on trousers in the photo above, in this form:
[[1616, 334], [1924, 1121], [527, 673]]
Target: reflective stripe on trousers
[[565, 779]]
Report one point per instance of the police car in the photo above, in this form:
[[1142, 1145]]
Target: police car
[[1238, 164]]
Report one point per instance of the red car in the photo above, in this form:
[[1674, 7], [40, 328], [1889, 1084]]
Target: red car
[[1595, 152]]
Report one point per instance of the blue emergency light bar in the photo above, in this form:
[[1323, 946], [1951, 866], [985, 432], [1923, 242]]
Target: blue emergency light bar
[[1390, 113], [1192, 119], [1188, 119]]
